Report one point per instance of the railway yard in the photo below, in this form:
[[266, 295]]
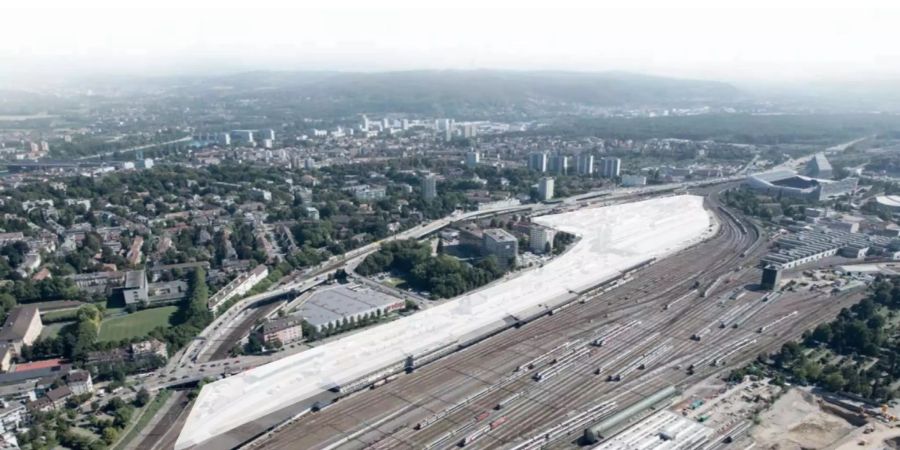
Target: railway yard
[[666, 325]]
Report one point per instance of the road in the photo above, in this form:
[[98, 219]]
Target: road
[[796, 164], [133, 149]]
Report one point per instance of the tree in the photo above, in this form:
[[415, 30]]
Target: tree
[[142, 398], [834, 382], [110, 434], [275, 343]]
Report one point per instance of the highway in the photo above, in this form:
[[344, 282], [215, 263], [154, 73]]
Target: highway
[[644, 356]]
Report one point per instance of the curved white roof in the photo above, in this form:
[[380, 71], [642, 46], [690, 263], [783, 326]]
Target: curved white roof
[[613, 238], [892, 201]]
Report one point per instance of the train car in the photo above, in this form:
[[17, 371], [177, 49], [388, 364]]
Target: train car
[[506, 401], [474, 436]]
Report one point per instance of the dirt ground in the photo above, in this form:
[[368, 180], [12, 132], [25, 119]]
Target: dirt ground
[[882, 436], [797, 422]]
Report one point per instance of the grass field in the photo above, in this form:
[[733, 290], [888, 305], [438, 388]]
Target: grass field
[[51, 330], [59, 316], [136, 324]]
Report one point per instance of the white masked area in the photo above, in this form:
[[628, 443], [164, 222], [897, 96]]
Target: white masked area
[[612, 238]]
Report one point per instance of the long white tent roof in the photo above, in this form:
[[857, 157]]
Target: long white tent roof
[[612, 238]]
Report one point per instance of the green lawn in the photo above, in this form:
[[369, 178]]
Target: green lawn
[[59, 316], [51, 330], [136, 324]]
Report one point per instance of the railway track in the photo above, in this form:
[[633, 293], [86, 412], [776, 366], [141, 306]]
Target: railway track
[[667, 278], [438, 387]]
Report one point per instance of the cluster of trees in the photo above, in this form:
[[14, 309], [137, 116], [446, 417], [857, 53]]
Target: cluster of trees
[[311, 334], [859, 334], [443, 276], [74, 341], [750, 203], [819, 129], [56, 428], [28, 291], [192, 317]]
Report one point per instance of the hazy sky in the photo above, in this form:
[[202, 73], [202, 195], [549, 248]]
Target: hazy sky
[[808, 40]]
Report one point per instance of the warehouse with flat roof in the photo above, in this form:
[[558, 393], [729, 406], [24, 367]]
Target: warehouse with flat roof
[[346, 304]]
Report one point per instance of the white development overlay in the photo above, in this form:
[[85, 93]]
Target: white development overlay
[[612, 238]]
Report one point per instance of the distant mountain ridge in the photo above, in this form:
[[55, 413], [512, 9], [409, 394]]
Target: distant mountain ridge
[[449, 92], [454, 93]]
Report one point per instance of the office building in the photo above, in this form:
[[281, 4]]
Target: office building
[[469, 131], [541, 239], [545, 189], [429, 187], [537, 162], [472, 159], [500, 244], [585, 164], [610, 167]]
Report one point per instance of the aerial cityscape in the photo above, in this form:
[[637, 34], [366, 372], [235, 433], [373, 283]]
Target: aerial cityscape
[[402, 226]]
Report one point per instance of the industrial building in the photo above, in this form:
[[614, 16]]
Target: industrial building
[[344, 305], [502, 245], [613, 239], [663, 430], [807, 246]]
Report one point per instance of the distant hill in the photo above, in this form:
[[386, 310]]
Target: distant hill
[[462, 92]]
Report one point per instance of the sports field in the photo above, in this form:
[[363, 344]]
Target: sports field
[[135, 324]]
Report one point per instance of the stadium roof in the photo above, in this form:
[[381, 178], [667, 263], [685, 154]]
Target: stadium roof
[[612, 239], [889, 200]]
